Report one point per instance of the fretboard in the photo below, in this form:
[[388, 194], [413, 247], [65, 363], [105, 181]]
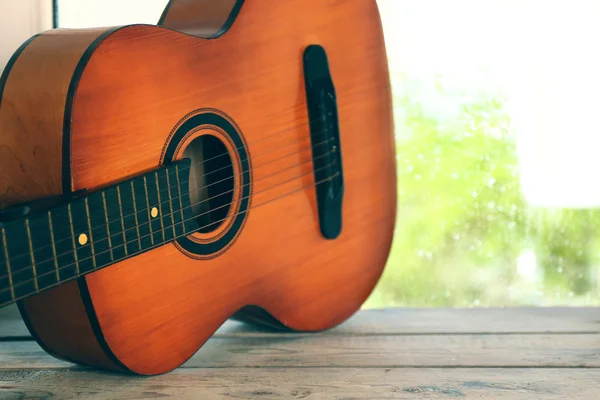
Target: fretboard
[[94, 231]]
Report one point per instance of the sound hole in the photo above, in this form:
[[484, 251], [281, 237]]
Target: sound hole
[[211, 181]]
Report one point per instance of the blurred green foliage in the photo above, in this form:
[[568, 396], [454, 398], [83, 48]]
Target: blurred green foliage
[[465, 236]]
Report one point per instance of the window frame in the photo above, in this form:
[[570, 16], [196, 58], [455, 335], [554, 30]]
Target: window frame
[[22, 20]]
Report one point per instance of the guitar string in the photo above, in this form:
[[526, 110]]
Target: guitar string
[[150, 248], [309, 124], [168, 189], [253, 157], [137, 226], [306, 124]]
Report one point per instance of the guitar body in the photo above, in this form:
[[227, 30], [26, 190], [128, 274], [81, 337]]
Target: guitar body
[[81, 109]]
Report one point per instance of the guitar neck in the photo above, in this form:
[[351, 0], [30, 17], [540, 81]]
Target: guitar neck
[[94, 231]]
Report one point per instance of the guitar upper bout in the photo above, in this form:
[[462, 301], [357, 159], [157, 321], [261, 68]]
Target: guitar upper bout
[[202, 18]]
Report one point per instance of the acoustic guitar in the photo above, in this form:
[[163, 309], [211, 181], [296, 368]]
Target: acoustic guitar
[[237, 160]]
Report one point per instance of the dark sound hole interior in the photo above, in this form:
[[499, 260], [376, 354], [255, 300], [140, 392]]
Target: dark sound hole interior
[[211, 181]]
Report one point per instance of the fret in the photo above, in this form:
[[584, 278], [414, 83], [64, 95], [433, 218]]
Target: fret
[[160, 208], [107, 222], [96, 219], [148, 209], [166, 212], [116, 225], [135, 215], [7, 290], [142, 212], [91, 233], [31, 255], [42, 255], [132, 241], [190, 223], [82, 236], [53, 244], [171, 209], [153, 200], [94, 231], [73, 238], [122, 222], [180, 197], [64, 244], [17, 245]]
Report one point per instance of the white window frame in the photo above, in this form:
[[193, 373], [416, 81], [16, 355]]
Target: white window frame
[[19, 20]]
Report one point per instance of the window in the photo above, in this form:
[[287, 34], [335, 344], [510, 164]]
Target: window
[[495, 106], [19, 20], [94, 13]]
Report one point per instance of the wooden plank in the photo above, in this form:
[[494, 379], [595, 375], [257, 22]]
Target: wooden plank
[[408, 321], [299, 383], [373, 351], [11, 324], [403, 351], [474, 320], [412, 321]]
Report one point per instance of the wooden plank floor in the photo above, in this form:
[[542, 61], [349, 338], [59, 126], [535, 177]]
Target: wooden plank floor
[[393, 354]]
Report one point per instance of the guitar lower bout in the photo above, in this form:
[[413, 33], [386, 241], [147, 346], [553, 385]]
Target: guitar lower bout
[[240, 153]]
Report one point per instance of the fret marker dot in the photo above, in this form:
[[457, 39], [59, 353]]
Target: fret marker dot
[[83, 239], [154, 212]]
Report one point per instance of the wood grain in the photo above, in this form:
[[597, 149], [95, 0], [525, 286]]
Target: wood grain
[[343, 363], [369, 340], [203, 18], [475, 321], [372, 351], [32, 116], [155, 317], [299, 383], [409, 322], [152, 312], [31, 151], [59, 321]]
